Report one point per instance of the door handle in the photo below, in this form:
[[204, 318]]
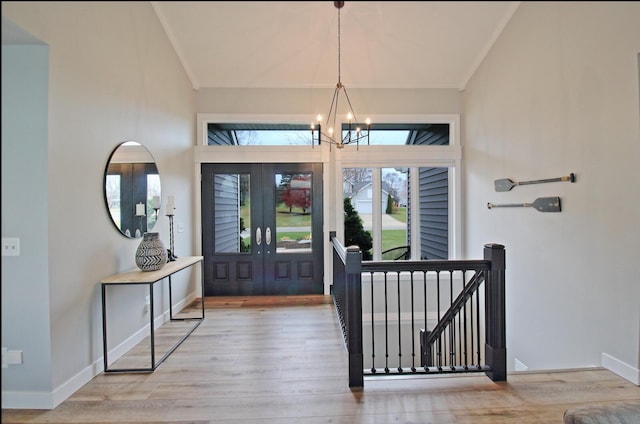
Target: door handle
[[258, 236], [267, 235]]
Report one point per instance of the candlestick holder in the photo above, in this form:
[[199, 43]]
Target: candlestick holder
[[171, 253]]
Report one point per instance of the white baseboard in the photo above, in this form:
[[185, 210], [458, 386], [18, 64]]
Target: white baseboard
[[624, 370], [27, 400], [184, 302], [519, 366], [50, 400]]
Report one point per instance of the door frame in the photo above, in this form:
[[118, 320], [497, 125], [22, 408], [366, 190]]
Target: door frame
[[265, 269]]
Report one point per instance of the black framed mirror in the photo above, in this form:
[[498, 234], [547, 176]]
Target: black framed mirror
[[132, 190]]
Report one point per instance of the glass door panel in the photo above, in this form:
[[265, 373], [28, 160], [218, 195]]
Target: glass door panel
[[293, 212], [232, 219], [396, 242]]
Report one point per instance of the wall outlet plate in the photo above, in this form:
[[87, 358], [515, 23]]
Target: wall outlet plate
[[10, 246], [14, 357]]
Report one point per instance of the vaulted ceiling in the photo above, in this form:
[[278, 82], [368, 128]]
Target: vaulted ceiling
[[294, 44]]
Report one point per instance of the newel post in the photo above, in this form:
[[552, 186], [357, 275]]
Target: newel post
[[353, 271], [495, 316]]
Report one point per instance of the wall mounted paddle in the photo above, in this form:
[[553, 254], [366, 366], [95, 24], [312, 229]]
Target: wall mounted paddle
[[543, 204], [506, 184]]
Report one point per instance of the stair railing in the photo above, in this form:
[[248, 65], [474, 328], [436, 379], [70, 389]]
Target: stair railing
[[408, 315]]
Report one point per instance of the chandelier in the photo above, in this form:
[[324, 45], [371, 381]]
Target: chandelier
[[355, 133]]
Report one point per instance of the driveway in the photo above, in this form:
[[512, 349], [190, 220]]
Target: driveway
[[388, 222]]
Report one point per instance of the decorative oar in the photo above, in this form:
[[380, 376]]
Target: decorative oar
[[543, 204], [506, 184]]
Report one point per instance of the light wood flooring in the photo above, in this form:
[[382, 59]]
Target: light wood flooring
[[281, 360]]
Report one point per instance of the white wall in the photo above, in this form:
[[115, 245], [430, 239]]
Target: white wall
[[558, 93], [312, 101], [113, 76], [25, 279]]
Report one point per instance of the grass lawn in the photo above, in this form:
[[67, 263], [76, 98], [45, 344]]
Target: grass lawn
[[400, 214], [283, 218], [298, 235], [390, 238], [295, 218], [393, 238]]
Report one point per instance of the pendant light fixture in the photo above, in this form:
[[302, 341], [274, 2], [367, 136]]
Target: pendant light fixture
[[355, 132]]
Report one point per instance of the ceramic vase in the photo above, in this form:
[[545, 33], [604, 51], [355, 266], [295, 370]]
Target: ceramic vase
[[151, 254]]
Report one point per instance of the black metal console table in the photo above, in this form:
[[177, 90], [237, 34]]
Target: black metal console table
[[137, 277]]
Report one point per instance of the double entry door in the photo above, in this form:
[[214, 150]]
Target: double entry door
[[262, 229]]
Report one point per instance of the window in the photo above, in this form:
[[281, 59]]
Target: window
[[406, 209], [406, 134], [258, 135], [264, 134]]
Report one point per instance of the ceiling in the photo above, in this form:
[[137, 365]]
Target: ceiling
[[294, 44]]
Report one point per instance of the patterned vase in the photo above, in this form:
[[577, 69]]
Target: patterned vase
[[151, 254]]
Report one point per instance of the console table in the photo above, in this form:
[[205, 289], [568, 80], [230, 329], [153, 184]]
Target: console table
[[137, 277]]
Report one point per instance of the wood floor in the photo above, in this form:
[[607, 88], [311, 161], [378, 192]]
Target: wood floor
[[282, 360]]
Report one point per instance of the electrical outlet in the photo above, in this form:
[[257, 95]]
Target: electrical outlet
[[10, 246], [147, 302]]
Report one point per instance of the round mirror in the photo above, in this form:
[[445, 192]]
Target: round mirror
[[132, 189]]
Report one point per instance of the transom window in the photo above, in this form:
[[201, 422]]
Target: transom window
[[259, 134]]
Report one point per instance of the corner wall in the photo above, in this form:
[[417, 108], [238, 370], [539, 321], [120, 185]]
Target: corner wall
[[25, 279], [558, 93], [112, 76]]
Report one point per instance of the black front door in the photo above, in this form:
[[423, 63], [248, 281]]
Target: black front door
[[262, 229]]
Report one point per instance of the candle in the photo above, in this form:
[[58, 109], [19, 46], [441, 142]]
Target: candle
[[170, 205], [312, 128], [140, 209], [155, 203]]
